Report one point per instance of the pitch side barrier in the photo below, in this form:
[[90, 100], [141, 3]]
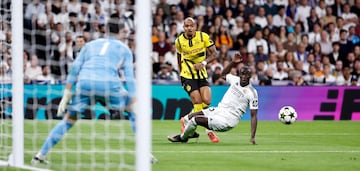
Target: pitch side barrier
[[170, 102]]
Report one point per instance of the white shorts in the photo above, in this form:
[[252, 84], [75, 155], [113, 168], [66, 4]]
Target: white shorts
[[220, 119]]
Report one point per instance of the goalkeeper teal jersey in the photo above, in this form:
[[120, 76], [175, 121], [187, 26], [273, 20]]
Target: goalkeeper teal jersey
[[102, 60]]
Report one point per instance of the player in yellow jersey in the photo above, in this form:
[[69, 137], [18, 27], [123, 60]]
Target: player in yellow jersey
[[194, 50]]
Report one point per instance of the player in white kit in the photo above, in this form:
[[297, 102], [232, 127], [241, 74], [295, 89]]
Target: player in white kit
[[239, 96]]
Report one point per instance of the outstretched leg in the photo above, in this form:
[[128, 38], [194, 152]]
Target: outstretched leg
[[56, 134]]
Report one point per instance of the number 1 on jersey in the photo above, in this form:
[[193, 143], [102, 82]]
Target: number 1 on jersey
[[104, 48]]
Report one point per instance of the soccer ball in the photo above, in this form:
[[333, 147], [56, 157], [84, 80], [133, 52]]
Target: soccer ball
[[287, 115]]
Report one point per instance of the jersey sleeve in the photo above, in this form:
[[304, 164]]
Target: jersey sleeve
[[207, 40], [128, 68], [254, 101], [232, 79], [76, 66]]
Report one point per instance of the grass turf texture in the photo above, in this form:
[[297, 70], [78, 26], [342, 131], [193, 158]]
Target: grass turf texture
[[316, 145]]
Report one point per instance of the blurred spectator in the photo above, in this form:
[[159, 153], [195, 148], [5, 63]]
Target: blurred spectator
[[334, 34], [289, 61], [311, 21], [298, 66], [337, 8], [270, 25], [165, 6], [280, 74], [338, 71], [199, 9], [280, 51], [45, 77], [320, 8], [171, 57], [237, 28], [259, 55], [32, 10], [4, 77], [282, 34], [291, 9], [34, 70], [328, 78], [315, 35], [223, 38], [260, 19], [270, 8], [217, 78], [350, 18], [228, 20], [317, 51], [296, 79], [329, 17], [326, 45], [354, 80], [335, 54], [303, 11], [253, 25], [266, 79], [250, 8], [79, 43], [272, 42], [163, 73], [161, 47], [356, 8], [218, 8], [301, 54], [244, 36], [298, 32], [271, 62], [257, 41], [290, 44], [279, 18], [353, 37], [310, 77]]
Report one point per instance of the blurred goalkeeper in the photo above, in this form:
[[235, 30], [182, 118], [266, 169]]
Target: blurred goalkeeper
[[239, 96], [95, 72]]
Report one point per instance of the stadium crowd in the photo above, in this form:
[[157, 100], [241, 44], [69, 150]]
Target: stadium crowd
[[285, 42]]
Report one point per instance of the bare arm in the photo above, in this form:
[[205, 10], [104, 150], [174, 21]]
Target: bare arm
[[211, 54], [236, 60], [253, 125], [179, 62]]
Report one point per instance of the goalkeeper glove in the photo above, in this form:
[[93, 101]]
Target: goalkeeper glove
[[64, 102]]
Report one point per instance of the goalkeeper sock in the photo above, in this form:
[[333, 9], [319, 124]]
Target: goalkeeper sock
[[190, 128], [197, 107], [132, 121], [55, 136]]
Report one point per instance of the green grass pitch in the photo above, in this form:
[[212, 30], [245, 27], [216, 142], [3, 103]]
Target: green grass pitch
[[313, 146]]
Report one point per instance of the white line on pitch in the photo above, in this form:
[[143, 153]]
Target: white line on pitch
[[217, 151]]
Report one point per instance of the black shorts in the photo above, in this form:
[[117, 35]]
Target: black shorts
[[189, 85]]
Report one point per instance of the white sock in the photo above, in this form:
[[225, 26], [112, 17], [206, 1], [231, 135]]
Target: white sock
[[40, 156], [190, 128], [186, 119]]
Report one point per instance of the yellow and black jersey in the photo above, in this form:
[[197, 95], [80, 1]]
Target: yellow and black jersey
[[193, 51]]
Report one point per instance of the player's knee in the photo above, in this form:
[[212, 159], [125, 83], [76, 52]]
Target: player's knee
[[206, 101], [70, 118]]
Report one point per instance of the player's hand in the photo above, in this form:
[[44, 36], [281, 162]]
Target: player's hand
[[64, 102], [237, 58], [131, 105], [198, 66], [252, 140]]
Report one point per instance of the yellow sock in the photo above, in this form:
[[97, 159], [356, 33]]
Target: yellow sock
[[204, 105], [197, 107]]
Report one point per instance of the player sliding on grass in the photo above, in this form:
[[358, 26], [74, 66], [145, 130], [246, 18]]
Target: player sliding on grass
[[239, 96], [95, 72]]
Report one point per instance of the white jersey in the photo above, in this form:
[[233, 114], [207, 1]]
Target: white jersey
[[237, 98]]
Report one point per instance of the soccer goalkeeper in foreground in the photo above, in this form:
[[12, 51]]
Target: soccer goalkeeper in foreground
[[239, 96], [95, 72]]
